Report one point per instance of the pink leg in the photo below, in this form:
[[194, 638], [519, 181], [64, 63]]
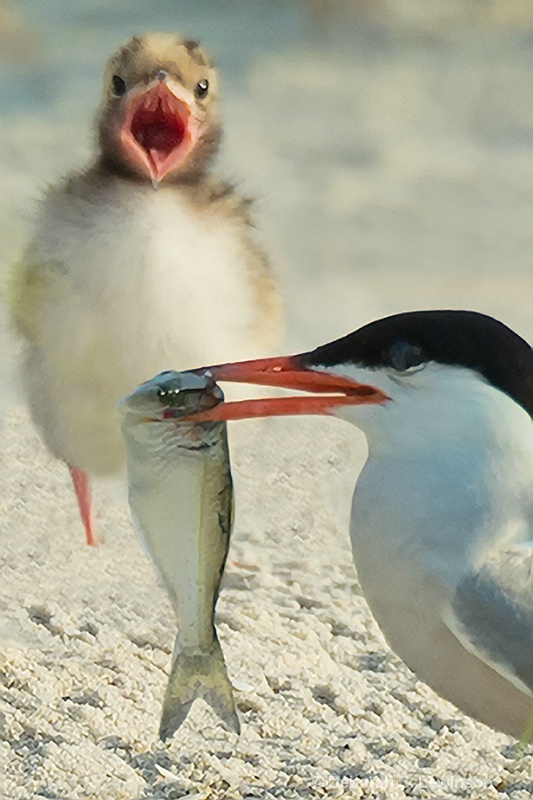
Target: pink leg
[[82, 487]]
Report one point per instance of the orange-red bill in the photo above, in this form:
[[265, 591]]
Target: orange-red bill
[[286, 372]]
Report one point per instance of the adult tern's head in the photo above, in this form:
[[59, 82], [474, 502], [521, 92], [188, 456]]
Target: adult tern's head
[[412, 366]]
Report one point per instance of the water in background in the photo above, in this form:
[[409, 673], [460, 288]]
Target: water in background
[[390, 143]]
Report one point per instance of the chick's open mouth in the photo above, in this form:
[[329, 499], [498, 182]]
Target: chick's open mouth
[[159, 125], [156, 133]]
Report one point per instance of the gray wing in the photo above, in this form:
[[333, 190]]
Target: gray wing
[[492, 614]]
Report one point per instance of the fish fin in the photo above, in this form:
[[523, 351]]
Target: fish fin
[[202, 675]]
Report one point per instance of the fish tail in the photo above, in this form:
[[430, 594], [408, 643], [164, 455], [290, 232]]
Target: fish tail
[[202, 675]]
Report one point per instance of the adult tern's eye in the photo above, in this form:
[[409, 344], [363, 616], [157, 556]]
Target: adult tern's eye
[[202, 88], [118, 86], [402, 356]]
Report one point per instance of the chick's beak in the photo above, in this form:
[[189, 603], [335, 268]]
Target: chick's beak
[[157, 132], [287, 372]]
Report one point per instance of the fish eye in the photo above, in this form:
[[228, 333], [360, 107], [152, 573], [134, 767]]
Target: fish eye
[[403, 356], [118, 86], [202, 87]]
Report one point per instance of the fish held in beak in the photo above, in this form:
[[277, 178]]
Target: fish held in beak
[[287, 372], [157, 133]]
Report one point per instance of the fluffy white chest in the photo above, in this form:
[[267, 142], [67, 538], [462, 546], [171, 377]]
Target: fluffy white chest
[[149, 283], [167, 283]]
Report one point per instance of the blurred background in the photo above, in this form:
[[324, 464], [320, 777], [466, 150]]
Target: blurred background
[[389, 142]]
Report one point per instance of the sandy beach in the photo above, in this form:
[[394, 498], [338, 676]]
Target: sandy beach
[[393, 163]]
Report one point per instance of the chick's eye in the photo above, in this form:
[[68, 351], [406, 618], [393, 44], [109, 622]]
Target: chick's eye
[[202, 87], [402, 356], [118, 86]]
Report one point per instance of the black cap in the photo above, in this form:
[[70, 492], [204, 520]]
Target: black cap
[[459, 338]]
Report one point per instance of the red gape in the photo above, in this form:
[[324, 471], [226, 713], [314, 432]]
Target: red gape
[[159, 127], [156, 133], [82, 487]]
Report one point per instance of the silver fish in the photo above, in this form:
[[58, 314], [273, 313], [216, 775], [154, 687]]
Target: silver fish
[[181, 497]]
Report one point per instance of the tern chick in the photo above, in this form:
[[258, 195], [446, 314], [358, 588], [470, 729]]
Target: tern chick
[[140, 262]]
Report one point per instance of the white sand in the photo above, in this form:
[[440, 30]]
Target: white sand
[[396, 171]]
